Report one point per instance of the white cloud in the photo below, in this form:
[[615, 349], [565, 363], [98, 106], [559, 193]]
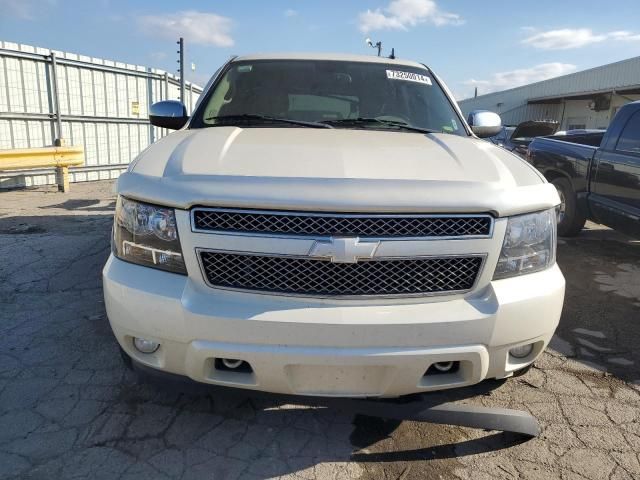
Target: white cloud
[[196, 27], [289, 12], [568, 38], [625, 36], [519, 77], [404, 14]]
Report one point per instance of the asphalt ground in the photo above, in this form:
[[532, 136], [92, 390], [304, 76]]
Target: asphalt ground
[[70, 409]]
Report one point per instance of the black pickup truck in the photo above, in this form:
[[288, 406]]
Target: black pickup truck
[[597, 174]]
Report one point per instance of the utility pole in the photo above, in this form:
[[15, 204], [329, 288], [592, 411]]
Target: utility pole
[[181, 67], [57, 141]]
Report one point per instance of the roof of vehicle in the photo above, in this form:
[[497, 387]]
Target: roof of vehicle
[[341, 57]]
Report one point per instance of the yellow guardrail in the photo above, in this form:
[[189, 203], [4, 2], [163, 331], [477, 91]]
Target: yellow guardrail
[[60, 158]]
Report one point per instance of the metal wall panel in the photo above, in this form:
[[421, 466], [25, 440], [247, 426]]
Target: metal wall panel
[[103, 106], [513, 107]]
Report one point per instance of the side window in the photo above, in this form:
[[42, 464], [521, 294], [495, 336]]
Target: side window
[[629, 140]]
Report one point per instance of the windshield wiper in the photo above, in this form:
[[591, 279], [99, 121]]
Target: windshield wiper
[[379, 121], [249, 117]]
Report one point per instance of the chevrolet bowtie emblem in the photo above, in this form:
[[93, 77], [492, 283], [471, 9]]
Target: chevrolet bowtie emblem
[[343, 249]]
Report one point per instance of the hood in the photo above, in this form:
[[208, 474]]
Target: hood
[[535, 128], [324, 169]]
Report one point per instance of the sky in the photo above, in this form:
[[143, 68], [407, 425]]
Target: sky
[[492, 44]]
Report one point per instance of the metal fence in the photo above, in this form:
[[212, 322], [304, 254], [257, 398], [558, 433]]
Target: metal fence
[[99, 104]]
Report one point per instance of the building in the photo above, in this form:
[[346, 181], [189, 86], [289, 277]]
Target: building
[[101, 105], [587, 99]]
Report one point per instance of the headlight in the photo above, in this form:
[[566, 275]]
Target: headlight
[[529, 244], [147, 235]]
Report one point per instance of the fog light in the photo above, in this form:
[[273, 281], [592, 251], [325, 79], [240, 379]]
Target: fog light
[[522, 351], [145, 346]]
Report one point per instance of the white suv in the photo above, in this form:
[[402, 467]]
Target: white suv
[[330, 225]]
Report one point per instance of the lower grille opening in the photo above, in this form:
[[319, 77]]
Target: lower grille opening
[[304, 276]]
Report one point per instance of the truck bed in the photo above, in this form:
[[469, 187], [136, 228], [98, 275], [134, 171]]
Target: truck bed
[[587, 139], [548, 151], [565, 155]]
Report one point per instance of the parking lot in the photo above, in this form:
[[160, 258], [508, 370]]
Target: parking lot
[[70, 409]]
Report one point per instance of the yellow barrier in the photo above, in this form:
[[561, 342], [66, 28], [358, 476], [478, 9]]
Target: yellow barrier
[[61, 158]]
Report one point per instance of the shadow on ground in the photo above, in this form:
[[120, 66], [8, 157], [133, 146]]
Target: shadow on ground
[[602, 303]]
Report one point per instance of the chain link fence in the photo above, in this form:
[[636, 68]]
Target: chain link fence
[[101, 105]]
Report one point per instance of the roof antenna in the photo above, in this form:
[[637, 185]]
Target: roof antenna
[[393, 54], [377, 45]]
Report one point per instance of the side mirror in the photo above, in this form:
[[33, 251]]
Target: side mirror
[[484, 123], [170, 114]]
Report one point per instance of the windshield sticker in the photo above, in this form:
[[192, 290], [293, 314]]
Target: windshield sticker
[[454, 123], [244, 68], [408, 76]]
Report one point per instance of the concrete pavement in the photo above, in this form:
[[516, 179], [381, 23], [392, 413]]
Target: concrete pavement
[[69, 409]]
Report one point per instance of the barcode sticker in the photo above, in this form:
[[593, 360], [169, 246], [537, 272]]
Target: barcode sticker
[[408, 76]]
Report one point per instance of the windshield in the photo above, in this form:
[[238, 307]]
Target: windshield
[[338, 94]]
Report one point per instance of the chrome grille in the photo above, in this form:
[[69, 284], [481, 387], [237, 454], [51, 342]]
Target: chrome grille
[[303, 276], [359, 225]]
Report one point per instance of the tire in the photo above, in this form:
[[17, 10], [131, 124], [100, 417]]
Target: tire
[[570, 218]]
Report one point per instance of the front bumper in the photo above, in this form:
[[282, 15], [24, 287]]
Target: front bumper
[[330, 348]]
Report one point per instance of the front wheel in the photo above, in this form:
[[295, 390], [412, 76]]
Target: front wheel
[[570, 219]]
